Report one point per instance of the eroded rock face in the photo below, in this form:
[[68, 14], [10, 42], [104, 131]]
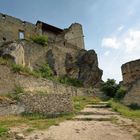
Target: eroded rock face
[[89, 72], [83, 66], [14, 52], [64, 59]]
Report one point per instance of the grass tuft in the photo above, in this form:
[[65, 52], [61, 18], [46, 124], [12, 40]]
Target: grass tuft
[[124, 110]]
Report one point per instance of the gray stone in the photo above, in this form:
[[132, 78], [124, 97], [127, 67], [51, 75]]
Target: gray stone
[[20, 136], [14, 52]]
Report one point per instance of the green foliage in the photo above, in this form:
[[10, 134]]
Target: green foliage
[[124, 110], [70, 81], [19, 68], [3, 61], [134, 106], [43, 40], [3, 131], [15, 95], [45, 71], [113, 90], [120, 93], [80, 102], [110, 88]]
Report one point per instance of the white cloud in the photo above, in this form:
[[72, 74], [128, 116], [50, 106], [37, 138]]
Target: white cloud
[[110, 43], [107, 53], [132, 41], [128, 41], [125, 47], [120, 28]]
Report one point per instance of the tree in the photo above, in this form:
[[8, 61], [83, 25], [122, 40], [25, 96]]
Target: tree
[[110, 87]]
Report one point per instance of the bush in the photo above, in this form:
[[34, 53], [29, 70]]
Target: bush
[[43, 40], [120, 93], [110, 88], [45, 71], [3, 131], [15, 94], [70, 81], [3, 61], [19, 68], [134, 106]]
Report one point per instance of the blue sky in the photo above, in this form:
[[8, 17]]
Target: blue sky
[[111, 27]]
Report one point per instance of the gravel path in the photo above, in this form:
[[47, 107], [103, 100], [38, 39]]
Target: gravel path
[[89, 125]]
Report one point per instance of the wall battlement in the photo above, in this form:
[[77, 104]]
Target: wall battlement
[[12, 28]]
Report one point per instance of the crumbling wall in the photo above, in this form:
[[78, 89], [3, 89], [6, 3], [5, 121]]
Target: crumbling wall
[[64, 59], [9, 81], [10, 28], [131, 71], [74, 35]]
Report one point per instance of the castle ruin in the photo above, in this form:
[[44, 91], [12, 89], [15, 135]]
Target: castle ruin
[[12, 28]]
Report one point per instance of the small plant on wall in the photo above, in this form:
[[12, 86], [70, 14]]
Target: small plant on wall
[[42, 40]]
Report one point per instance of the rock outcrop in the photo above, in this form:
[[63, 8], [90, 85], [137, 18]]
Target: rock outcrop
[[130, 72], [133, 95], [89, 72], [64, 59], [131, 80], [15, 52]]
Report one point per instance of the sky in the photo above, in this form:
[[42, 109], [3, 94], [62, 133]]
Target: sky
[[111, 27]]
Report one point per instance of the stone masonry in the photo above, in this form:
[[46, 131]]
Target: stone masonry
[[12, 28], [47, 104], [64, 59]]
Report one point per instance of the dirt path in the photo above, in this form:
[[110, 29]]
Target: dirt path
[[95, 122]]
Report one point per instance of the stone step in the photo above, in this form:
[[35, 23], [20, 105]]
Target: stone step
[[97, 106], [102, 103], [97, 113], [92, 118]]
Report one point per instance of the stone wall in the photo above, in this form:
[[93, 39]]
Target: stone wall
[[131, 71], [133, 95], [74, 35], [9, 107], [64, 58], [47, 104], [9, 80], [11, 28]]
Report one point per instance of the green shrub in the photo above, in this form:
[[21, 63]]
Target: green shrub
[[110, 88], [43, 40], [3, 61], [70, 81], [15, 95], [45, 71], [19, 68], [124, 110], [134, 106], [120, 93], [3, 131]]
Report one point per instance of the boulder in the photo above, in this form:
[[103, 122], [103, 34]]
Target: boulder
[[13, 51], [89, 72]]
